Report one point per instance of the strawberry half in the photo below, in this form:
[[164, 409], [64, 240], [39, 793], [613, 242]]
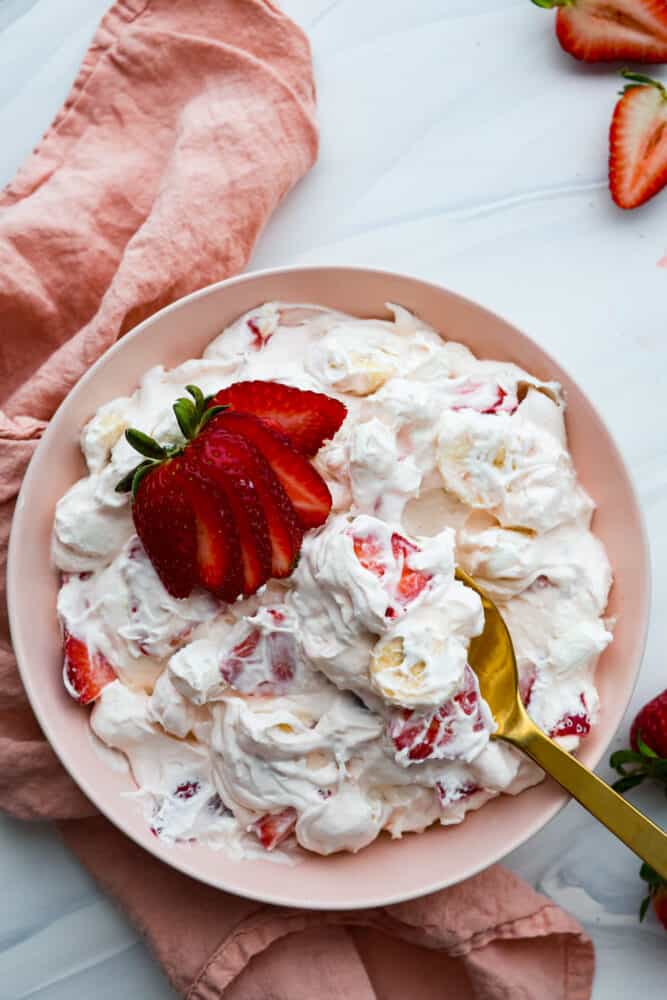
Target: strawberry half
[[307, 419], [86, 674], [227, 461], [611, 30], [638, 142], [303, 485]]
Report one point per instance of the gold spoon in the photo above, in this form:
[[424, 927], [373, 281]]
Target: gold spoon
[[491, 656]]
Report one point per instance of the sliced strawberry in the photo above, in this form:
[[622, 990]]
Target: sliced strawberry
[[412, 581], [285, 531], [307, 419], [303, 485], [425, 736], [573, 723], [448, 795], [273, 828], [219, 561], [86, 673], [166, 526], [611, 30], [368, 550], [638, 142], [227, 461]]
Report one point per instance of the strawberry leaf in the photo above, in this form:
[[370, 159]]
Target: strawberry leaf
[[644, 749], [621, 757], [646, 902], [209, 414], [139, 474], [197, 395], [627, 782], [144, 444], [125, 484], [186, 415]]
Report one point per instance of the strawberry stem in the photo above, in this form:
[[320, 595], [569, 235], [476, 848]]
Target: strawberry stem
[[640, 80], [192, 418]]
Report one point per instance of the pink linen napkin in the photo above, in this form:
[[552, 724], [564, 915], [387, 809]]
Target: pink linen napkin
[[188, 122]]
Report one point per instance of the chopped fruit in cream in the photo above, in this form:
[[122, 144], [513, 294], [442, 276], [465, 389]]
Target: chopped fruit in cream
[[268, 623]]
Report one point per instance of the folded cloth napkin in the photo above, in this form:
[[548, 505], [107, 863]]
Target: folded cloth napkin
[[188, 122]]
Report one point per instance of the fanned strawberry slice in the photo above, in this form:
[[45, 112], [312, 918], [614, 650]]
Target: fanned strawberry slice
[[638, 142], [303, 485], [86, 673], [611, 30], [165, 524], [307, 419], [284, 526], [273, 828], [227, 461], [219, 562]]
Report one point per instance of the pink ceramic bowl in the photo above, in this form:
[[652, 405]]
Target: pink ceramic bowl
[[387, 871]]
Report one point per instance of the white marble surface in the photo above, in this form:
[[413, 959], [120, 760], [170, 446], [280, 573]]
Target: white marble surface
[[458, 144]]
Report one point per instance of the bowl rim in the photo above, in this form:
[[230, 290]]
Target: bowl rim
[[180, 863]]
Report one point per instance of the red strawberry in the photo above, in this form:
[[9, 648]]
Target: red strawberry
[[218, 554], [273, 828], [165, 523], [307, 419], [657, 894], [611, 30], [86, 673], [230, 464], [638, 142], [648, 740], [227, 509], [650, 726], [301, 482]]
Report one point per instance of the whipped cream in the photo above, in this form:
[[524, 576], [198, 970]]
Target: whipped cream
[[338, 703]]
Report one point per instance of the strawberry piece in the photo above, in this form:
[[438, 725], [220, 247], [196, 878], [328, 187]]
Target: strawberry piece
[[218, 553], [231, 666], [449, 795], [187, 789], [307, 419], [638, 142], [165, 524], [425, 736], [227, 461], [527, 679], [273, 828], [282, 656], [573, 723], [611, 30], [303, 485], [501, 395], [368, 551], [87, 674], [412, 581]]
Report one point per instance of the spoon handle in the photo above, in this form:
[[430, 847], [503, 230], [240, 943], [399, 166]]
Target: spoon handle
[[627, 823]]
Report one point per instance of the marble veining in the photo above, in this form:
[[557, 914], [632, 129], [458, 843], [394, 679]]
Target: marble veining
[[461, 145]]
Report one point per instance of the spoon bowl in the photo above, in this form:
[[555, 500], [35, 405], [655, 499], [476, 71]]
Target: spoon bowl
[[491, 656]]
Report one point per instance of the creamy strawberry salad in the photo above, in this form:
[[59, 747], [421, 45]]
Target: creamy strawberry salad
[[337, 702]]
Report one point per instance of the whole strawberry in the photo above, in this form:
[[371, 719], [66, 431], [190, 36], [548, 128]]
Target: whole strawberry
[[647, 757], [657, 894]]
